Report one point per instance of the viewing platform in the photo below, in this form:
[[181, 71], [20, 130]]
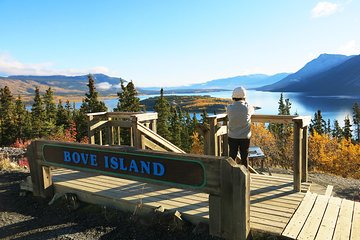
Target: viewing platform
[[212, 188]]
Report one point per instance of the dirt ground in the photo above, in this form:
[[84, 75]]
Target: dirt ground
[[28, 217]]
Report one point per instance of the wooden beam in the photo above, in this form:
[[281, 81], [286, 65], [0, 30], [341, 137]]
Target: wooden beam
[[213, 137], [91, 133], [120, 123], [40, 175], [98, 124], [157, 138], [136, 133], [297, 156], [96, 114], [221, 131], [241, 203], [152, 145], [304, 155], [146, 116]]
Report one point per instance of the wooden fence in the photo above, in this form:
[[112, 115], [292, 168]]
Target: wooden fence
[[226, 182], [216, 140], [142, 128]]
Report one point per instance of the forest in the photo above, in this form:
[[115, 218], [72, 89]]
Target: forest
[[332, 148]]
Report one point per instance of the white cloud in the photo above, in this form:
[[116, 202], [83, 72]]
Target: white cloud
[[11, 66], [323, 9], [104, 86], [351, 47]]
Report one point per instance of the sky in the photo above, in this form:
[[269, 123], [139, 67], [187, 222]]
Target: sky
[[166, 43]]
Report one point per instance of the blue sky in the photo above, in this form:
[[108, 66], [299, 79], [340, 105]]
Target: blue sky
[[172, 42]]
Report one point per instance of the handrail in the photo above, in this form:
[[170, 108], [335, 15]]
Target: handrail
[[216, 139], [266, 118], [157, 138]]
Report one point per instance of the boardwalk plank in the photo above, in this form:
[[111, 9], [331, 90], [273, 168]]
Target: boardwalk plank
[[296, 223], [272, 202], [355, 229], [343, 225], [314, 219], [327, 227]]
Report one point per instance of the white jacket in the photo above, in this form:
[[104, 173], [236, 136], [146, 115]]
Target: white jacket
[[239, 115]]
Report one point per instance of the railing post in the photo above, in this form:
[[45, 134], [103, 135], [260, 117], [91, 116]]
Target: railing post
[[230, 212], [305, 161], [91, 133], [154, 126], [100, 137], [225, 141], [136, 135], [40, 176], [110, 133], [213, 144], [118, 135], [297, 155]]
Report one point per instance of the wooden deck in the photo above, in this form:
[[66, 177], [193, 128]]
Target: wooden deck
[[324, 217], [273, 201]]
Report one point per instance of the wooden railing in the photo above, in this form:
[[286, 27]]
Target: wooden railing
[[216, 140], [226, 182], [112, 124], [141, 126]]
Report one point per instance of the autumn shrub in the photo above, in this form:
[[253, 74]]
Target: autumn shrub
[[19, 143], [328, 154], [196, 147], [6, 164]]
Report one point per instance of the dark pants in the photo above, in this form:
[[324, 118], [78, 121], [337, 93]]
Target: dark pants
[[243, 145]]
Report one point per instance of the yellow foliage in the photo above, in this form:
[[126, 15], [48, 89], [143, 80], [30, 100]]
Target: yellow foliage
[[334, 156], [197, 147], [262, 137]]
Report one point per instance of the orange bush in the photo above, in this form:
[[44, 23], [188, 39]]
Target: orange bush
[[331, 155]]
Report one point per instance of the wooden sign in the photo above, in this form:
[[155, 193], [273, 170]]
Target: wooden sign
[[137, 166]]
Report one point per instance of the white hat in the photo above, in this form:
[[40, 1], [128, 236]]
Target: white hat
[[239, 92]]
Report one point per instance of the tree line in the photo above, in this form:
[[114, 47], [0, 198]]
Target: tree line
[[63, 121]]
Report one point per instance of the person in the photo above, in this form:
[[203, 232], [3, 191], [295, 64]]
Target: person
[[239, 125]]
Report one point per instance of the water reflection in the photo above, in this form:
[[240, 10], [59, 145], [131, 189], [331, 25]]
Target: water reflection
[[332, 107]]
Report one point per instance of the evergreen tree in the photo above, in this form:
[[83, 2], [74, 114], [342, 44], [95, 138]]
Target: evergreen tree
[[162, 107], [7, 126], [282, 131], [194, 122], [22, 120], [91, 103], [328, 127], [61, 116], [128, 100], [175, 127], [204, 119], [50, 106], [318, 124], [347, 128], [337, 132], [37, 115], [356, 120], [69, 110]]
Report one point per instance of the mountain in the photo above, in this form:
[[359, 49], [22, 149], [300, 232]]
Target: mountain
[[319, 65], [25, 84], [247, 81]]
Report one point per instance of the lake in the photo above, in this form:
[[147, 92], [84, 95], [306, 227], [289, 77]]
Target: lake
[[332, 107]]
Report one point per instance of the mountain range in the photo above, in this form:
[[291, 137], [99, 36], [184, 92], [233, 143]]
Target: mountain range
[[328, 74]]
